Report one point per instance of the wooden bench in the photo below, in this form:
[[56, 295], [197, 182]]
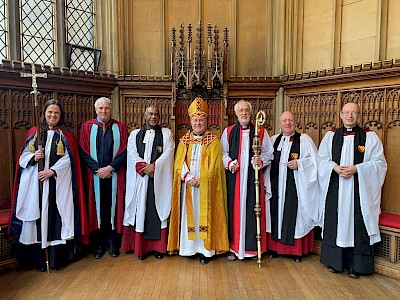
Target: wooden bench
[[388, 250]]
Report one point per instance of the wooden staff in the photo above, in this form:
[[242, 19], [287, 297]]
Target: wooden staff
[[36, 112], [260, 119]]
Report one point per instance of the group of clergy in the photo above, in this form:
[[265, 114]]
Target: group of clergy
[[200, 200]]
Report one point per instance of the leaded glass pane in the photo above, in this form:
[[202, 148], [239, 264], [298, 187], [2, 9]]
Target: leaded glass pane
[[82, 59], [37, 31], [80, 36], [3, 30], [84, 5], [80, 22]]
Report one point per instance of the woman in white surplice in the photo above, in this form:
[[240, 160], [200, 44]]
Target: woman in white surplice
[[55, 219]]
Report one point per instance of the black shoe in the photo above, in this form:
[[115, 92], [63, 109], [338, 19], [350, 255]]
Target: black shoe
[[158, 255], [353, 274], [113, 251], [204, 260], [43, 268], [297, 259], [333, 270], [144, 256], [272, 254], [99, 252]]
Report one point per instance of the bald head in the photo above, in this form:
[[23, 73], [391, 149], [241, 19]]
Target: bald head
[[287, 123], [152, 107], [349, 114], [152, 116]]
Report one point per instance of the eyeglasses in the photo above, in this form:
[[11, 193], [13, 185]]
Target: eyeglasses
[[352, 113]]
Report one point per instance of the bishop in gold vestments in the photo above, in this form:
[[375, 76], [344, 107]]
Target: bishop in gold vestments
[[198, 222]]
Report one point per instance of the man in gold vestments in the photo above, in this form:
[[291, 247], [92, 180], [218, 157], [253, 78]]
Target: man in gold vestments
[[198, 222]]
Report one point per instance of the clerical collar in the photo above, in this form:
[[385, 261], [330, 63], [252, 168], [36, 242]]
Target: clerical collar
[[349, 131], [53, 127], [244, 127], [287, 135], [198, 135], [290, 137]]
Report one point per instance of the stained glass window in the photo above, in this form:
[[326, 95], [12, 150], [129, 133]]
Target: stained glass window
[[3, 30], [37, 31]]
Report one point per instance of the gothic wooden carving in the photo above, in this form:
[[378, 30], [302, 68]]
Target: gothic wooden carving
[[75, 91], [317, 107], [135, 108], [264, 104]]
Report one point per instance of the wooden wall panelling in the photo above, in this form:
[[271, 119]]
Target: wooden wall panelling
[[264, 104], [78, 108], [268, 106], [391, 189], [259, 91], [377, 92], [373, 111], [6, 162], [76, 91], [329, 116], [138, 92], [165, 108], [182, 117], [311, 118], [296, 105], [68, 102], [214, 120], [84, 109], [231, 116], [135, 107]]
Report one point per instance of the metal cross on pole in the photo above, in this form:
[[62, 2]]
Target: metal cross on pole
[[35, 94], [34, 91]]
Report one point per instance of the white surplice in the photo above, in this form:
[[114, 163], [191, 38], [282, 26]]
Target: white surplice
[[371, 175], [136, 185], [191, 247], [266, 155], [306, 180], [27, 208]]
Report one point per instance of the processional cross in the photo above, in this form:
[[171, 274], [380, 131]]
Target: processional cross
[[34, 91], [35, 94]]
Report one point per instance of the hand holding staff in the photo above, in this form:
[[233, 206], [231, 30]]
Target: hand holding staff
[[260, 119]]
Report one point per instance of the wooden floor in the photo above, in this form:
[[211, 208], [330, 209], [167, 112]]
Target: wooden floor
[[176, 277]]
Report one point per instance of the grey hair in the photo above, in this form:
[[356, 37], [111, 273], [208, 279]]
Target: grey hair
[[248, 103], [102, 100]]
